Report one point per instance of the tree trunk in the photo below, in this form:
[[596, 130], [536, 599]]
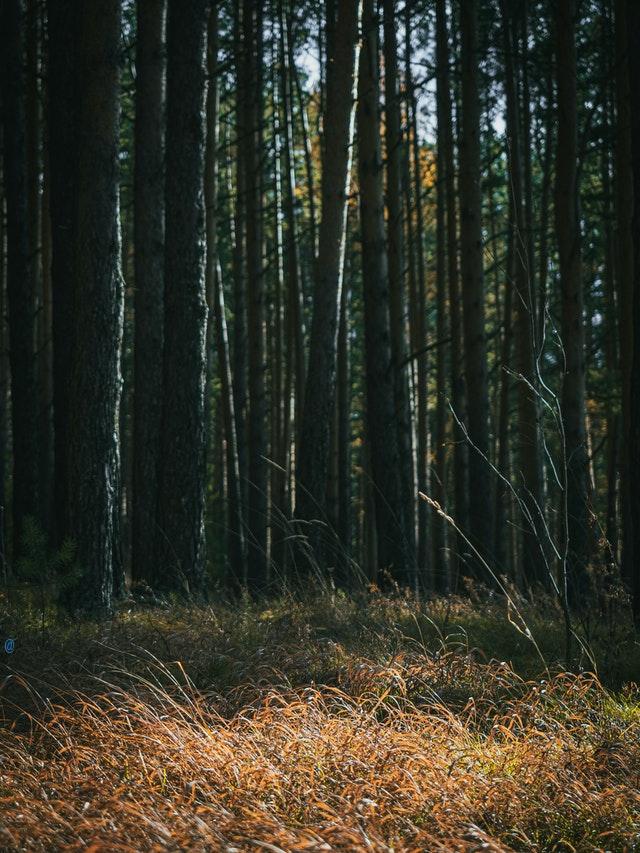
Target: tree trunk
[[320, 385], [480, 503], [239, 353], [180, 537], [529, 478], [257, 425], [418, 317], [633, 436], [396, 254], [391, 524], [62, 119], [20, 276], [217, 316], [572, 326], [149, 280], [446, 173], [625, 279], [94, 383]]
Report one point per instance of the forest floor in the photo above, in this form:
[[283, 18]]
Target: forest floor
[[319, 723]]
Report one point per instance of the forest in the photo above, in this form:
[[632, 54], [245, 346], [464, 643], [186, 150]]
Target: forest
[[318, 424]]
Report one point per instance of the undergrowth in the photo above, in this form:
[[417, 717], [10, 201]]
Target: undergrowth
[[318, 723]]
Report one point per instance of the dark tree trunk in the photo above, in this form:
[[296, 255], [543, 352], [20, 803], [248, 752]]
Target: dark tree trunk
[[257, 515], [94, 386], [480, 503], [180, 535], [149, 280], [633, 436], [63, 100], [313, 464], [394, 555], [418, 317], [396, 255], [217, 317], [20, 275], [446, 173], [625, 279], [528, 431], [567, 203], [239, 352]]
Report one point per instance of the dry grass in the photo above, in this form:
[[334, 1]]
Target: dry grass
[[313, 725]]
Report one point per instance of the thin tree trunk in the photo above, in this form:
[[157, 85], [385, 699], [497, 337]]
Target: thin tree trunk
[[62, 119], [572, 328], [418, 317], [20, 276], [633, 437], [529, 480], [294, 284], [4, 393], [396, 254], [625, 279], [320, 385], [480, 503], [180, 541], [447, 174], [217, 314], [391, 524], [257, 423]]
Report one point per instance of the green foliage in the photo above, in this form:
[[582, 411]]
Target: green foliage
[[52, 572]]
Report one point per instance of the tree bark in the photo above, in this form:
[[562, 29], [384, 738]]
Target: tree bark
[[217, 316], [625, 278], [149, 281], [567, 201], [257, 514], [446, 173], [396, 255], [20, 276], [180, 540], [633, 436], [320, 385], [95, 381], [394, 554], [62, 120], [480, 503], [529, 480]]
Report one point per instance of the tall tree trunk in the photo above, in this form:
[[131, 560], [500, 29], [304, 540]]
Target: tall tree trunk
[[180, 537], [217, 314], [625, 278], [439, 531], [446, 173], [295, 325], [396, 255], [239, 354], [480, 503], [94, 383], [344, 439], [633, 436], [529, 446], [312, 470], [418, 314], [391, 524], [568, 236], [257, 425], [62, 120], [20, 275], [149, 280], [4, 395]]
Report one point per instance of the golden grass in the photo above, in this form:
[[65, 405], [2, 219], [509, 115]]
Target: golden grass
[[403, 748]]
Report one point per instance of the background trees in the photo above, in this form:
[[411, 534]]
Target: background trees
[[454, 316]]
